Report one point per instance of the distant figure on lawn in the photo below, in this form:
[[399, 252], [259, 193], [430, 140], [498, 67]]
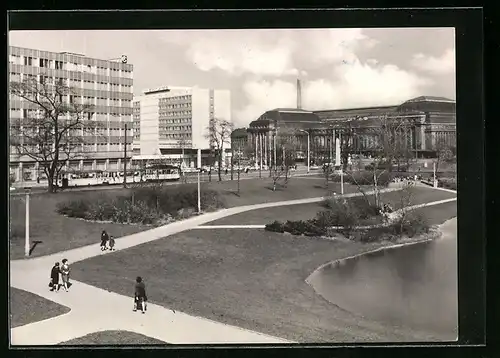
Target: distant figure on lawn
[[104, 240], [54, 278], [65, 274], [111, 243], [140, 297]]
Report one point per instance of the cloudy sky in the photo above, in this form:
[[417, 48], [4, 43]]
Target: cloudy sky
[[339, 68]]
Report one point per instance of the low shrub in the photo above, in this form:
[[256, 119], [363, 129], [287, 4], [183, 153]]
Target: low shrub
[[294, 227], [341, 212], [301, 227], [364, 207], [308, 227], [313, 229], [410, 225], [155, 204], [275, 226], [365, 177], [75, 208], [373, 235], [448, 183], [170, 200]]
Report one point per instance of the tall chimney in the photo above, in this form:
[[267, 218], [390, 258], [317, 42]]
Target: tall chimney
[[299, 95]]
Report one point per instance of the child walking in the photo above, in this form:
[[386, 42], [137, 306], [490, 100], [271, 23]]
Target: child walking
[[111, 243]]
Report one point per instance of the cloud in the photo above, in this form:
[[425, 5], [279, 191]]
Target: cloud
[[437, 65], [276, 52], [351, 85], [360, 85], [262, 95]]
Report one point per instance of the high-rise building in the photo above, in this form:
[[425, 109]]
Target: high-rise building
[[107, 85], [172, 123]]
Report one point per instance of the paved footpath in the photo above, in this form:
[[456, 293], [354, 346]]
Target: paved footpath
[[94, 309]]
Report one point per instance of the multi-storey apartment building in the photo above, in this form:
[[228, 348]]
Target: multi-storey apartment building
[[107, 85], [171, 123]]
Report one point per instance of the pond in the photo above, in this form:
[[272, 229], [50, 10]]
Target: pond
[[412, 286]]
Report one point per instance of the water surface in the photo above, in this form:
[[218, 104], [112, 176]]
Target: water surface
[[413, 286]]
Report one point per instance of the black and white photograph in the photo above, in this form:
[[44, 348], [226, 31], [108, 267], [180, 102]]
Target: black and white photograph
[[232, 186]]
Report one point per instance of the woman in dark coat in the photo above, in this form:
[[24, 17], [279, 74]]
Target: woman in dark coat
[[104, 240], [54, 278]]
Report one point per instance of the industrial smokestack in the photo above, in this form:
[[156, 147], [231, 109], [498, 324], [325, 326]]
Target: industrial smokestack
[[299, 95]]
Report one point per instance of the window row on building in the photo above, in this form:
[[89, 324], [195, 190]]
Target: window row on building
[[176, 136], [175, 114], [87, 87], [175, 128], [113, 77], [175, 121], [32, 57], [164, 100], [173, 106]]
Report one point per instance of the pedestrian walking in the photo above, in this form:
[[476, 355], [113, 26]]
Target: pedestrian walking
[[54, 278], [104, 240], [140, 297], [65, 274], [111, 243]]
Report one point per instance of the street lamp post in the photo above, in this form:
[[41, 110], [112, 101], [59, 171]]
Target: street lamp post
[[27, 229], [308, 150], [199, 169], [434, 183]]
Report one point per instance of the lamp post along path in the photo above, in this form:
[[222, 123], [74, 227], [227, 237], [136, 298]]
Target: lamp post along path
[[199, 169], [27, 229]]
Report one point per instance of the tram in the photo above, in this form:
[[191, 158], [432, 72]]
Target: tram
[[162, 172], [155, 172]]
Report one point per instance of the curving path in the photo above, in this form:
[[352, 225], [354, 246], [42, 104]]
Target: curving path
[[94, 309]]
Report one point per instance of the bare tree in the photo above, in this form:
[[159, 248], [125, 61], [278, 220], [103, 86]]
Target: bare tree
[[277, 174], [219, 133], [406, 199], [444, 154], [387, 147], [285, 152], [53, 133]]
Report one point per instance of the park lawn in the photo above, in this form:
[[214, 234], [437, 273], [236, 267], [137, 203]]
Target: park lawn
[[308, 211], [51, 232], [113, 338], [26, 307], [248, 278]]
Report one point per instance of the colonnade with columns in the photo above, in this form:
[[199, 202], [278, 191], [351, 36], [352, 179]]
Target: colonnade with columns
[[322, 143]]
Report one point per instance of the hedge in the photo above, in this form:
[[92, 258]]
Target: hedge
[[152, 205]]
